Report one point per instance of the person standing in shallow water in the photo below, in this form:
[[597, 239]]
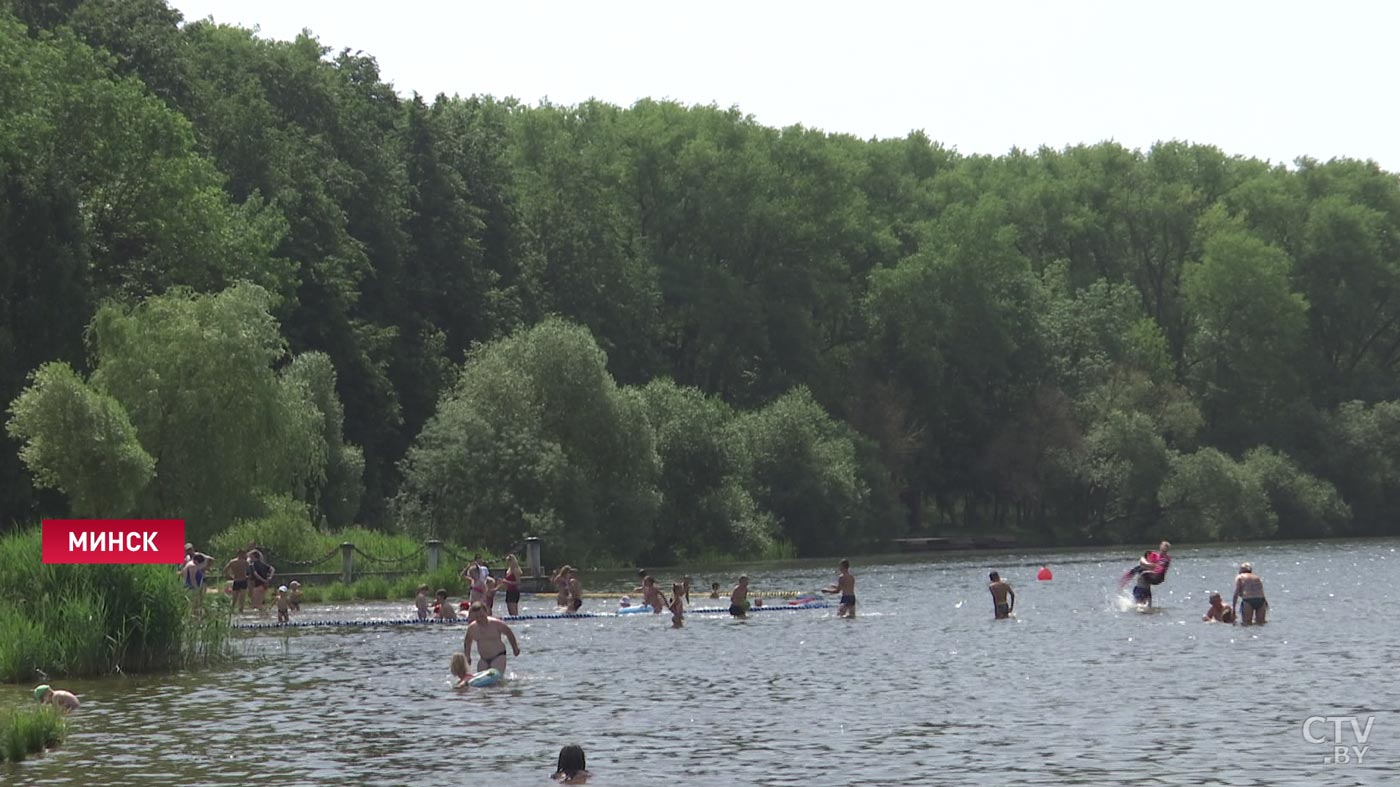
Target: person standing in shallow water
[[846, 586], [1249, 596], [1003, 597], [237, 570]]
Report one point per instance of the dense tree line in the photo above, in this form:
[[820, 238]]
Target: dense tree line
[[239, 269]]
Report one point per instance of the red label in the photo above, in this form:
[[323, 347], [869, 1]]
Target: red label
[[114, 541]]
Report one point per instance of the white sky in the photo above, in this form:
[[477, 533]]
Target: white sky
[[1274, 80]]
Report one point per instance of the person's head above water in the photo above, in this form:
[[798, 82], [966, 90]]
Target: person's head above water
[[1164, 547], [845, 565], [441, 594], [744, 580], [1246, 568], [477, 611], [994, 576], [571, 761], [1214, 598], [714, 586], [42, 691]]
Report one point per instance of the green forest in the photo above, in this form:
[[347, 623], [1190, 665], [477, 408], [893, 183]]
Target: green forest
[[241, 277]]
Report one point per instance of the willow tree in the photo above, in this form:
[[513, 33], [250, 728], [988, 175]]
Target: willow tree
[[195, 374]]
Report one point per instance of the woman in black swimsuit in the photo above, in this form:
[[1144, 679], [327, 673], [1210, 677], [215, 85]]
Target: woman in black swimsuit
[[259, 577]]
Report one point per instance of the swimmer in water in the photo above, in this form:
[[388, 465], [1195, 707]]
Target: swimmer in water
[[443, 609], [460, 671], [571, 768], [284, 605], [1249, 595], [714, 590], [739, 599], [511, 582], [846, 586], [575, 591], [237, 570], [65, 701], [652, 595], [420, 602], [487, 632], [1218, 612], [677, 605], [1003, 597], [561, 582]]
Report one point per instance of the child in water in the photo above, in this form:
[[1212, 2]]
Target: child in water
[[677, 605], [63, 700], [420, 601], [459, 670], [1218, 612], [443, 609], [295, 595], [739, 599], [714, 590], [284, 605]]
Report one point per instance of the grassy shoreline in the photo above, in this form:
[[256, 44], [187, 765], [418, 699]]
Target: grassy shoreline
[[28, 731]]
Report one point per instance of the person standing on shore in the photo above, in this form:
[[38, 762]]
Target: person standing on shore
[[1249, 596]]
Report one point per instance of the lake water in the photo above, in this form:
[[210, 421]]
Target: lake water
[[923, 688]]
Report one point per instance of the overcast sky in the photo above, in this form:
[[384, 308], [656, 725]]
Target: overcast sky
[[1275, 80]]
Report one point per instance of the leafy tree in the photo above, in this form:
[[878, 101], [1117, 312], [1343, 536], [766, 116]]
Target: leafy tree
[[705, 507], [804, 468], [80, 442], [194, 372], [535, 439], [336, 495], [1207, 496]]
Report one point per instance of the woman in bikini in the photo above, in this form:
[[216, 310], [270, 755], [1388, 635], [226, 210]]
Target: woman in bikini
[[511, 582]]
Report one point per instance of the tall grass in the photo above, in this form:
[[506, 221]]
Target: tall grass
[[67, 620], [26, 731]]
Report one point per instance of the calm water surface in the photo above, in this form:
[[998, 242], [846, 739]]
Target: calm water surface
[[923, 688]]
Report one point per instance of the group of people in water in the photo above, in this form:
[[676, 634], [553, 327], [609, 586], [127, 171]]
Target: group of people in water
[[1249, 599]]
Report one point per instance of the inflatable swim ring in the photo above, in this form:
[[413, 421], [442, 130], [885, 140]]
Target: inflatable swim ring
[[488, 678], [632, 610]]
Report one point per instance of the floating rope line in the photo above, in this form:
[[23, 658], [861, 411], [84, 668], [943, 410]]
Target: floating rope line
[[373, 622]]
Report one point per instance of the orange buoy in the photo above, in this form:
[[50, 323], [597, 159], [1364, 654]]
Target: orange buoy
[[1044, 574]]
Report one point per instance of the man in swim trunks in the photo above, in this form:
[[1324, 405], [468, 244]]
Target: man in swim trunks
[[1249, 596], [237, 570], [846, 586], [487, 632], [739, 599], [1003, 597]]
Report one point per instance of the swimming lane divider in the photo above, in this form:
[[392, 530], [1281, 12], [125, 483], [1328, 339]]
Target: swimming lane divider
[[374, 622]]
